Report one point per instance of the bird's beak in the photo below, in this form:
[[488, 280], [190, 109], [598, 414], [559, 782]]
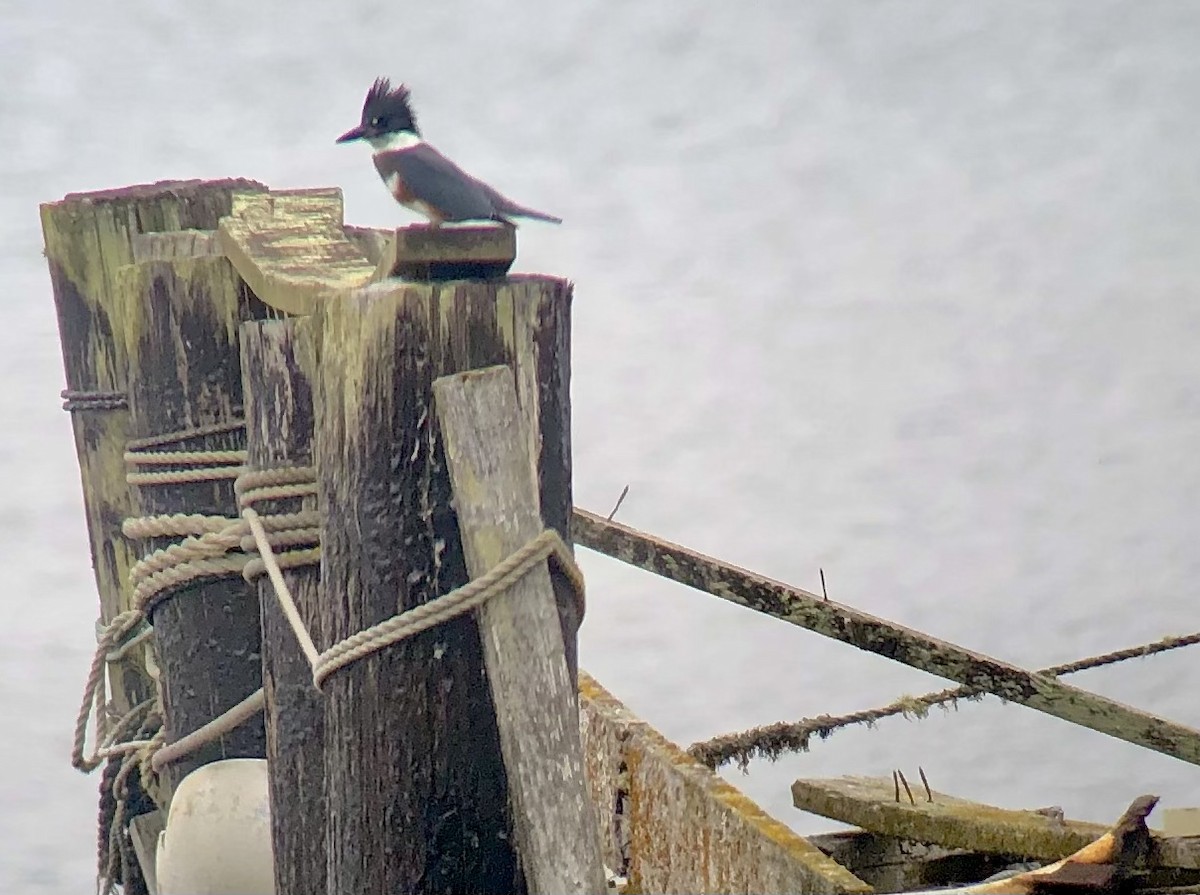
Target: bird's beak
[[355, 133]]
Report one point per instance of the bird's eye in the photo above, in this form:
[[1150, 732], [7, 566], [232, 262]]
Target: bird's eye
[[376, 121]]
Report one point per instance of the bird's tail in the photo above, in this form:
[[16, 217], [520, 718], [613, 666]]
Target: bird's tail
[[506, 207]]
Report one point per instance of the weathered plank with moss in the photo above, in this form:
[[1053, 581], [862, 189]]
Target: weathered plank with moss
[[279, 433], [185, 377], [893, 641], [413, 762], [290, 247], [870, 803], [537, 711], [89, 237], [672, 825]]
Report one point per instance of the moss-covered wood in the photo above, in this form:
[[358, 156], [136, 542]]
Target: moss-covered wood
[[876, 635], [279, 431], [89, 237], [290, 247], [184, 373], [671, 825], [415, 779], [871, 803]]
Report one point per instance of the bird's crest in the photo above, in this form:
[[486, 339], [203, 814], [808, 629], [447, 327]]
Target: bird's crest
[[387, 109]]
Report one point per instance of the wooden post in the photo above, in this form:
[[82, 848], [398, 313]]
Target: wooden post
[[279, 420], [184, 374], [414, 776], [495, 496], [89, 236]]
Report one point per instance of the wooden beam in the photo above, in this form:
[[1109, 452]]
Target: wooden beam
[[89, 237], [496, 500], [870, 803], [415, 778], [672, 825], [184, 374], [279, 432], [290, 247], [876, 635], [423, 253], [905, 865]]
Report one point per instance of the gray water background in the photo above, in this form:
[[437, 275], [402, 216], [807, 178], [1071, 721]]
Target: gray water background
[[902, 290]]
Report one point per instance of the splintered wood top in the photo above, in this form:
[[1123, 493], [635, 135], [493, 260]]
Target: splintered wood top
[[291, 247]]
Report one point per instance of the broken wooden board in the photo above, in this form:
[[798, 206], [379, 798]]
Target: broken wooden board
[[1105, 865], [870, 803], [423, 253], [903, 865], [290, 247], [671, 825]]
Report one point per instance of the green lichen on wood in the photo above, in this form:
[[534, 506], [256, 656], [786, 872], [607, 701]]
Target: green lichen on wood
[[88, 240], [291, 247], [871, 803], [682, 828]]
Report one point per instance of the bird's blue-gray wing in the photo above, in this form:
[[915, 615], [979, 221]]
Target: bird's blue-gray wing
[[431, 177]]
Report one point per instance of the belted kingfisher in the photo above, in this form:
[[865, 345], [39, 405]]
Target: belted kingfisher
[[419, 176]]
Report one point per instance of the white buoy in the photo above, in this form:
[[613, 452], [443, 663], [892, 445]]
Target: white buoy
[[218, 835]]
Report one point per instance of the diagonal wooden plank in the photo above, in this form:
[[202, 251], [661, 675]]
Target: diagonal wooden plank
[[876, 635], [496, 499]]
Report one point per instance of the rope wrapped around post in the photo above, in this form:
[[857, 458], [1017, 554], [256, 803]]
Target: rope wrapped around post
[[215, 546]]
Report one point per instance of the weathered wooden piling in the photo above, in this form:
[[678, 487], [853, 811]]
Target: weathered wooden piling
[[89, 238], [279, 429], [185, 378], [429, 794], [415, 783]]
